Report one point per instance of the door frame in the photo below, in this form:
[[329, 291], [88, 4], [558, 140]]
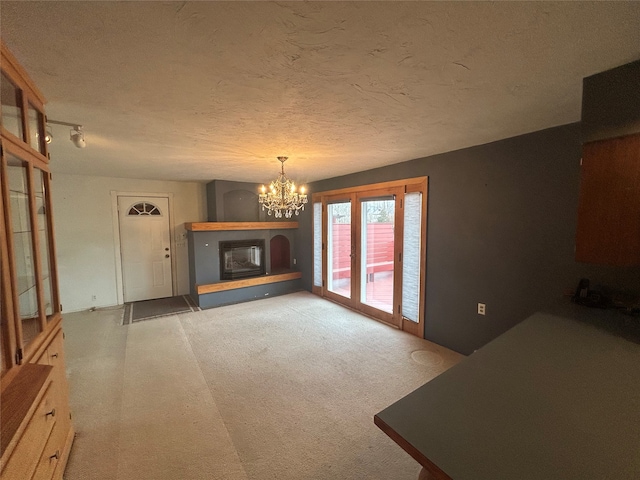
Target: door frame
[[394, 317], [116, 238], [409, 185], [339, 198]]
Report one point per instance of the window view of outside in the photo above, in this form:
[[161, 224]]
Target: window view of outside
[[339, 248], [377, 247]]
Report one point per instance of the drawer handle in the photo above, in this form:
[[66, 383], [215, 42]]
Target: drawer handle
[[52, 413], [54, 355], [55, 455]]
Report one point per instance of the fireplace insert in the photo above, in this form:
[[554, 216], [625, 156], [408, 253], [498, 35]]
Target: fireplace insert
[[242, 258]]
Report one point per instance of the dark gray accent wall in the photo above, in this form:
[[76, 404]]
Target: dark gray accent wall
[[233, 202], [611, 103], [501, 231], [241, 206], [204, 265], [229, 201], [229, 297], [212, 209], [204, 250]]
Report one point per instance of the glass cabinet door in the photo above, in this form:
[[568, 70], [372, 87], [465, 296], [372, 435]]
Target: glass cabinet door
[[46, 257], [36, 129], [29, 299], [5, 300], [11, 107], [23, 248], [4, 364]]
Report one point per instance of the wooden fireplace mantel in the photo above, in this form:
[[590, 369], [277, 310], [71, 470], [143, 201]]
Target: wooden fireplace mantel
[[246, 282], [226, 226]]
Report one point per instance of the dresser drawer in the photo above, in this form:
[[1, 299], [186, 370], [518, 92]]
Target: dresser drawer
[[54, 450], [50, 455], [26, 455], [46, 461], [55, 353]]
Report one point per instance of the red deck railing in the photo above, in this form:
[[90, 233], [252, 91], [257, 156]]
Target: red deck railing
[[379, 249]]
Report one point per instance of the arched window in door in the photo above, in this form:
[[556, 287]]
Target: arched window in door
[[144, 208]]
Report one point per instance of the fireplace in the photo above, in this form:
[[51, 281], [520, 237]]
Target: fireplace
[[242, 258]]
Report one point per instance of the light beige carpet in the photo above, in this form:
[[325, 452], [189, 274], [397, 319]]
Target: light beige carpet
[[281, 388]]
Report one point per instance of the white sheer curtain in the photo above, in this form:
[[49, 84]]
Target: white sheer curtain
[[411, 256], [317, 244]]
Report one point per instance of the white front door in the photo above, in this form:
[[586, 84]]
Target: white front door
[[145, 247]]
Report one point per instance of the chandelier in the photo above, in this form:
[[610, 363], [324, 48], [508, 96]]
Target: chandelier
[[282, 197]]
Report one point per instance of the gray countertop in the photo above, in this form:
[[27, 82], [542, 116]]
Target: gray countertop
[[553, 398]]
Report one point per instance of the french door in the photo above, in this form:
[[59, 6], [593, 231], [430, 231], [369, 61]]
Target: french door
[[369, 250], [341, 252]]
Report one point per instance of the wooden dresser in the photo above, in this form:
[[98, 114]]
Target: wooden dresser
[[36, 432]]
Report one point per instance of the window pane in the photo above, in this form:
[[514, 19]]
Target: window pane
[[11, 107], [411, 256], [36, 134], [4, 314], [339, 248], [43, 235], [317, 244], [377, 253]]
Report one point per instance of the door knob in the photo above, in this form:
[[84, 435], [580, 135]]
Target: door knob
[[166, 249], [166, 256]]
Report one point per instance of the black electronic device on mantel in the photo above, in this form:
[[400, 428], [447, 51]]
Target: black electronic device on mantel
[[590, 298]]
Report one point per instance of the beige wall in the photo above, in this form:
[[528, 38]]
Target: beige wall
[[84, 233]]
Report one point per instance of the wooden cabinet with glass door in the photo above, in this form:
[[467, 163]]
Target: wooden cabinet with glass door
[[36, 431]]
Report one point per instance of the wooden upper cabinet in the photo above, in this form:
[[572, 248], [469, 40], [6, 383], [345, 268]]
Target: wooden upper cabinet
[[36, 432], [22, 118], [608, 231], [29, 300]]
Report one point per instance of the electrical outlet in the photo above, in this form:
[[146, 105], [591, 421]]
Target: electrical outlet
[[481, 308], [93, 298]]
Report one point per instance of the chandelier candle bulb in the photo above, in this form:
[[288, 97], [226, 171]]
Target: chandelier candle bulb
[[283, 199]]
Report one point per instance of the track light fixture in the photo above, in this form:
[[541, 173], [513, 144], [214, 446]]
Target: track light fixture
[[76, 135], [48, 136]]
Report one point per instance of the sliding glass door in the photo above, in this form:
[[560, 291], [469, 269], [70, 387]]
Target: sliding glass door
[[369, 250]]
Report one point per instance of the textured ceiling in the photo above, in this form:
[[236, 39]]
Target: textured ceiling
[[217, 90]]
